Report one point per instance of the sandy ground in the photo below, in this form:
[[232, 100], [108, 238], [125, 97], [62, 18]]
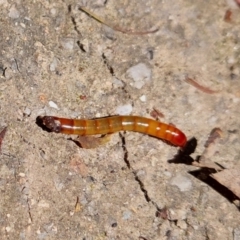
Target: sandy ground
[[56, 60]]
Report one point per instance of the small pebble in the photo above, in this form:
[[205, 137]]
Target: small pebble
[[53, 105], [143, 98], [167, 173], [43, 204], [182, 182], [117, 83], [13, 12], [236, 234], [27, 112], [85, 45], [58, 185], [23, 25], [98, 115], [124, 109], [140, 74], [53, 65], [182, 224], [67, 43], [126, 215], [53, 11]]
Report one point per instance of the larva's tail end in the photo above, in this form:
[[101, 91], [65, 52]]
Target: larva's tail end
[[179, 139]]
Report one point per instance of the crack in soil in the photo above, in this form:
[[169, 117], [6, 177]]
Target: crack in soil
[[137, 179]]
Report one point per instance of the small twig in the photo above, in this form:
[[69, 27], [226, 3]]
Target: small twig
[[156, 114], [116, 28], [200, 87], [3, 69], [2, 134], [77, 205], [16, 64]]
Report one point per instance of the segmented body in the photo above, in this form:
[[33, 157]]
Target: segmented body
[[114, 124]]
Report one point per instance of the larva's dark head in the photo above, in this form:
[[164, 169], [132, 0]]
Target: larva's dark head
[[50, 123]]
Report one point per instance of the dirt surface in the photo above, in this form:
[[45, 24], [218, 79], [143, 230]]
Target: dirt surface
[[57, 60]]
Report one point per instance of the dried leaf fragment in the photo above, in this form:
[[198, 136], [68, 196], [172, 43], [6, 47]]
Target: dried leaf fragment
[[89, 142], [78, 206], [213, 136], [228, 16], [210, 150]]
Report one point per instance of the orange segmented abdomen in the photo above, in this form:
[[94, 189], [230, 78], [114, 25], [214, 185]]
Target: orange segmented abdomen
[[115, 124]]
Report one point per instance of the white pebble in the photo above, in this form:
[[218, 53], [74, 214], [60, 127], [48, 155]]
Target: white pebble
[[67, 43], [53, 11], [143, 98], [140, 74], [117, 83], [43, 204], [236, 233], [53, 105], [126, 215], [98, 115], [22, 25], [124, 109], [13, 12], [53, 65], [183, 183], [27, 111], [58, 185]]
